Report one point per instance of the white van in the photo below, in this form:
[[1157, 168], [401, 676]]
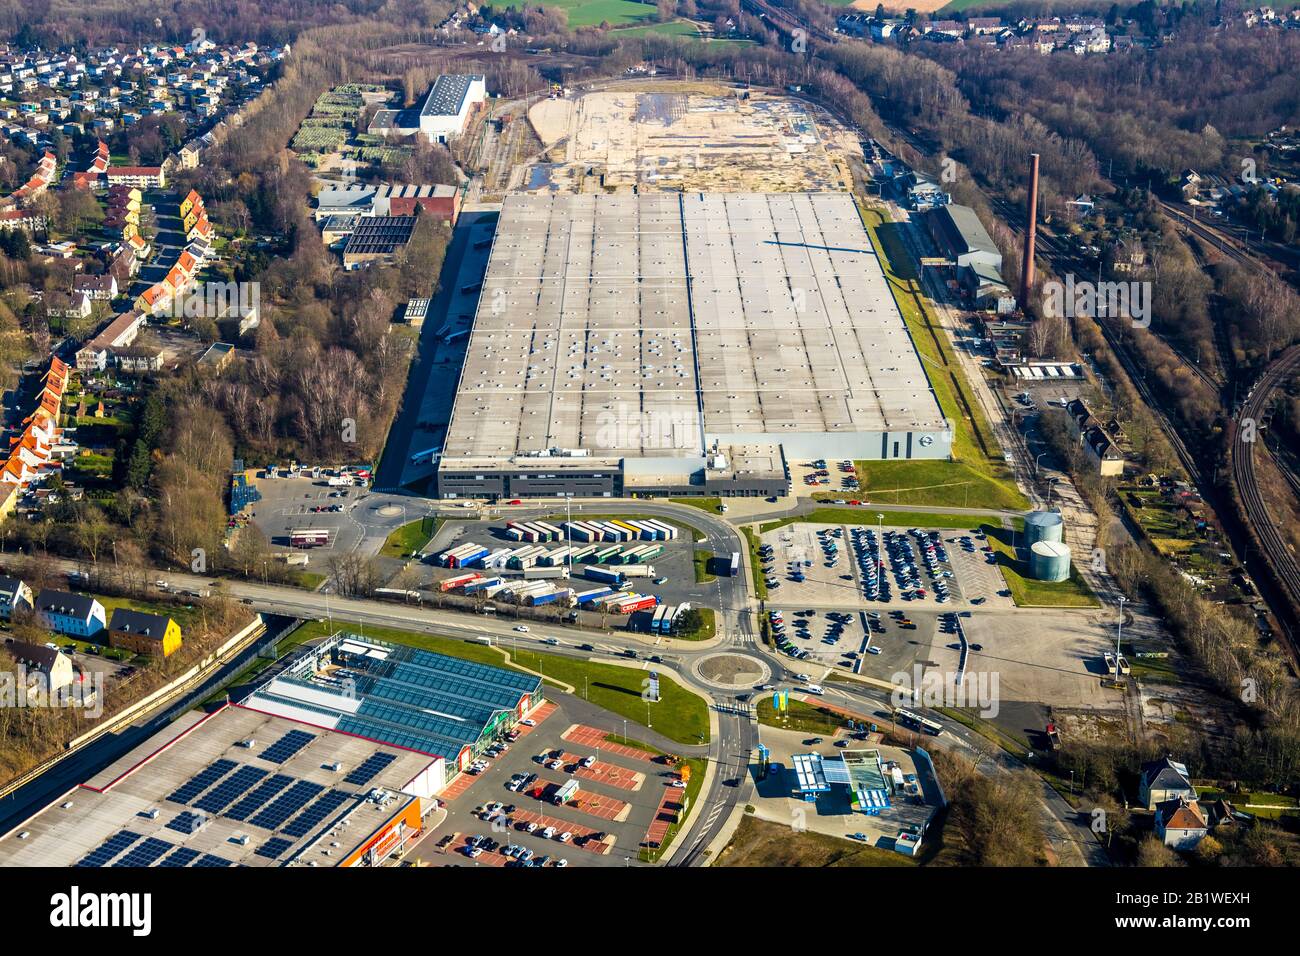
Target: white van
[[815, 689]]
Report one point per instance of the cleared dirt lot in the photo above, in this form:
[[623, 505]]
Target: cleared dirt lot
[[692, 138]]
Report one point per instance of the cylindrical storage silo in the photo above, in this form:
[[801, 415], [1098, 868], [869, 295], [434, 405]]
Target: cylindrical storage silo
[[1043, 526], [1049, 561]]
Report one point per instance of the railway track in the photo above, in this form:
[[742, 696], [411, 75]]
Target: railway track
[[1282, 560], [785, 22]]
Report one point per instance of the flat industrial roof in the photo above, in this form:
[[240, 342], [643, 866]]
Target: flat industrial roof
[[196, 768], [646, 325]]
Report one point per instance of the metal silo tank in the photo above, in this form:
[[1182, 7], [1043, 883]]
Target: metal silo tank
[[1049, 561], [1043, 526]]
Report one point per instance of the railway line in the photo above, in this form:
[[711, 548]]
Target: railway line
[[1282, 560], [785, 22]]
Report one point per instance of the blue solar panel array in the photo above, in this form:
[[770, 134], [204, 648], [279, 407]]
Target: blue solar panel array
[[111, 848], [230, 789], [287, 746], [286, 805], [209, 859], [187, 822], [369, 767], [182, 857], [273, 847], [145, 854], [246, 807], [318, 811], [202, 780]]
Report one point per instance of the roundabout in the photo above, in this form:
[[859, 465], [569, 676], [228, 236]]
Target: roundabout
[[731, 671]]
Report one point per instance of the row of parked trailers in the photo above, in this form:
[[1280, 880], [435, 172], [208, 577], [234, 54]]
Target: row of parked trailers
[[642, 529], [522, 591], [533, 532], [464, 556]]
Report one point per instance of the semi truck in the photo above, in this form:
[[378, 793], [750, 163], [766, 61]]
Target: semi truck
[[638, 570], [456, 581], [603, 575], [538, 572]]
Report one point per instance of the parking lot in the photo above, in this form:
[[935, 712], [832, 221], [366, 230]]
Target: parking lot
[[618, 795], [299, 504], [857, 566], [810, 477], [873, 643]]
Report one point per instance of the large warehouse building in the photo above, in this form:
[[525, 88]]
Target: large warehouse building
[[333, 761], [235, 788], [682, 343]]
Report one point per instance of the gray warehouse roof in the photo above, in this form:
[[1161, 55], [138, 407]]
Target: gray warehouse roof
[[642, 325], [964, 231]]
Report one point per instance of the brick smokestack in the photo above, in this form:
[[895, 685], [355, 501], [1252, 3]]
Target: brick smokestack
[[1031, 233]]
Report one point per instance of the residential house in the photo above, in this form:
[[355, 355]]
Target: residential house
[[144, 177], [53, 670], [15, 595], [99, 288], [60, 305], [120, 333], [142, 633], [1100, 440], [76, 615], [1180, 824], [1164, 780]]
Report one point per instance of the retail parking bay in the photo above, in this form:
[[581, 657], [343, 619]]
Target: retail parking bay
[[619, 797]]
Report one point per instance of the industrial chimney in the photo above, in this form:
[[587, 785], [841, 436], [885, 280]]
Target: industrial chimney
[[1031, 232]]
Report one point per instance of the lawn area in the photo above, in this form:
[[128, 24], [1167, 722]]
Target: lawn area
[[707, 628], [586, 13], [805, 718], [711, 505], [679, 715], [933, 484], [676, 28], [409, 538], [702, 573], [1267, 806], [309, 580], [896, 519], [974, 445], [1027, 592], [761, 843]]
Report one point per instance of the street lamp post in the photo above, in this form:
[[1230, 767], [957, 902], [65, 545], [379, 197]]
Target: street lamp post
[[1036, 461], [1051, 486]]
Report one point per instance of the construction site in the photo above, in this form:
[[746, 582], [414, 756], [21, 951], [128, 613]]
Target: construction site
[[688, 137]]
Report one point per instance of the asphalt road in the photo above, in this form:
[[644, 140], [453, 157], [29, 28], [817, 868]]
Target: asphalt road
[[737, 634]]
